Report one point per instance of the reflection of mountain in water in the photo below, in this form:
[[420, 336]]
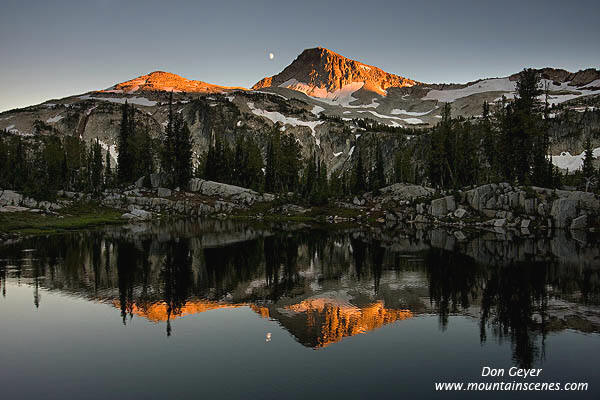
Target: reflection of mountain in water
[[320, 322], [323, 286], [315, 322]]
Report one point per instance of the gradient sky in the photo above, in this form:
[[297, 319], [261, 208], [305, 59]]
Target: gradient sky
[[52, 49]]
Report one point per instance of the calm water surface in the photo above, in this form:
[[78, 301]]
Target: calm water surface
[[236, 311]]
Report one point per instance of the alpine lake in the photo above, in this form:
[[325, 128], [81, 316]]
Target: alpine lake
[[221, 309]]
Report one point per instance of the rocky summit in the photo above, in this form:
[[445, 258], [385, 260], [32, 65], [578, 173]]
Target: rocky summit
[[320, 72]]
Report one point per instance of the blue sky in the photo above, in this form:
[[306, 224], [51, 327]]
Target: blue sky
[[52, 49]]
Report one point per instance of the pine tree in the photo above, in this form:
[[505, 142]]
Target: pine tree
[[20, 166], [378, 177], [142, 153], [272, 175], [64, 172], [289, 163], [525, 140], [125, 160], [96, 167], [107, 171], [438, 162], [183, 154], [322, 189], [167, 153], [403, 168], [254, 165], [359, 181], [588, 172]]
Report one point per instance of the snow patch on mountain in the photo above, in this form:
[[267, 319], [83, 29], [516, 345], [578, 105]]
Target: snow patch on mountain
[[572, 162], [413, 121], [486, 85], [54, 119], [317, 110], [397, 111], [278, 117]]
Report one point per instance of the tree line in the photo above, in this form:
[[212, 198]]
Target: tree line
[[509, 142]]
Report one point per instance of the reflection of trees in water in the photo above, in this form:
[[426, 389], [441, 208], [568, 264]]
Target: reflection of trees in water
[[511, 296], [454, 282], [224, 266], [3, 277], [127, 264], [508, 297], [177, 277], [170, 271]]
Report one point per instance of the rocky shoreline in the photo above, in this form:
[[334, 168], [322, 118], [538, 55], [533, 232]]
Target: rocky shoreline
[[492, 207]]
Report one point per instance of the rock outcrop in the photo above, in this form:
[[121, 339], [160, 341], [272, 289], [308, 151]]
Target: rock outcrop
[[495, 206], [222, 190]]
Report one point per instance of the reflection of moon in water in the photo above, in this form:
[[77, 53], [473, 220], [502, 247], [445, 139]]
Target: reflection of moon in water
[[271, 56], [268, 339]]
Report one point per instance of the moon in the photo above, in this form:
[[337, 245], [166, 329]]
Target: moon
[[271, 56]]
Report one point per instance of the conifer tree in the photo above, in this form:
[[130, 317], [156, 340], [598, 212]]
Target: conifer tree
[[290, 162], [588, 172], [107, 171], [142, 152], [125, 165], [272, 175], [183, 154], [359, 181], [96, 167], [167, 154], [64, 171], [438, 156], [378, 177], [254, 165]]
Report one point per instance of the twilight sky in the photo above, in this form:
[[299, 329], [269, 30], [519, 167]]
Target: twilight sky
[[52, 49]]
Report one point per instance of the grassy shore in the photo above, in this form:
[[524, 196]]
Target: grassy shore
[[76, 216], [88, 214]]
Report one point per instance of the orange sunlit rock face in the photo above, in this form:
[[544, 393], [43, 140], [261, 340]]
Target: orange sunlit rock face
[[324, 69], [166, 81], [334, 321], [316, 322], [158, 312]]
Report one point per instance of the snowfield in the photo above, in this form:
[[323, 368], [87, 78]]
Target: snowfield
[[486, 85], [413, 121], [572, 163], [396, 111], [279, 117]]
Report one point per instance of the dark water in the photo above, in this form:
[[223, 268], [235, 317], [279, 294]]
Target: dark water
[[235, 311]]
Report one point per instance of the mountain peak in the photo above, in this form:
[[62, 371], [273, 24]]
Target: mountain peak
[[317, 71], [167, 82]]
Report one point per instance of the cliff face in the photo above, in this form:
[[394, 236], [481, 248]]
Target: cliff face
[[319, 70]]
